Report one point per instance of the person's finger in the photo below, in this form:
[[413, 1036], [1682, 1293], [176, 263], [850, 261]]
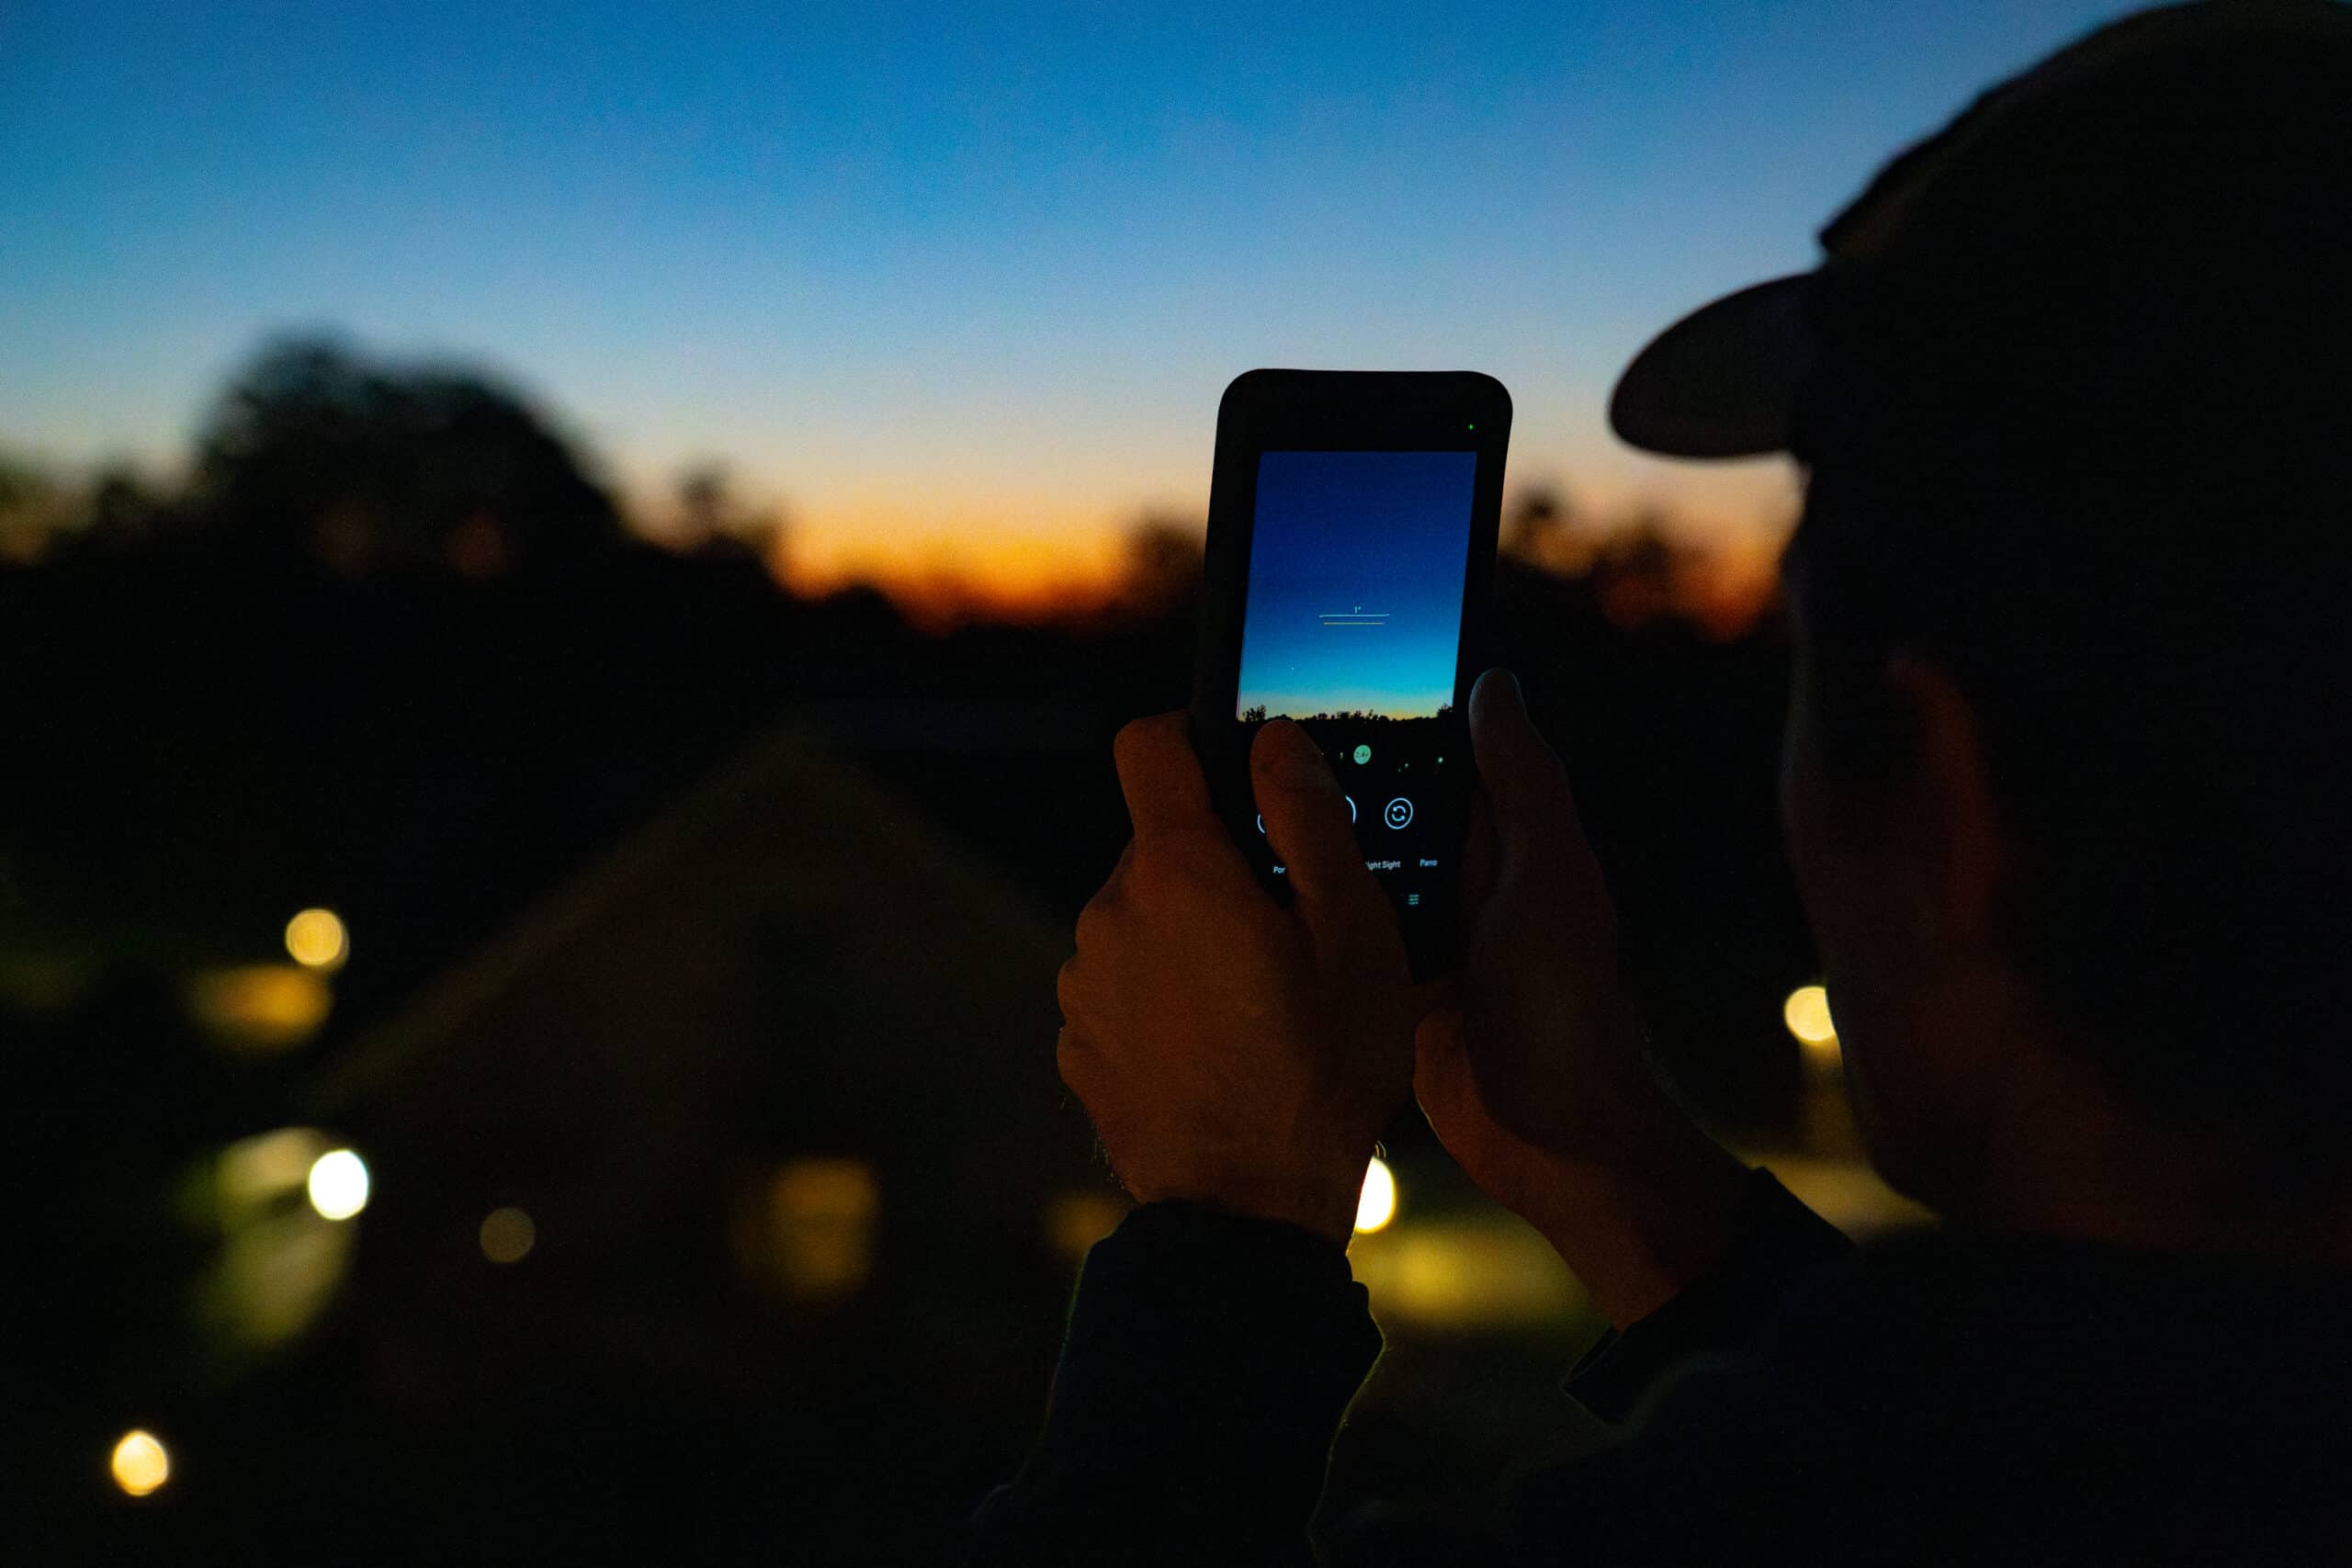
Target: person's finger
[[1073, 1059], [1431, 995], [1526, 784], [1069, 989], [1309, 824], [1097, 909], [1441, 1064], [1160, 775], [1481, 856], [1097, 917]]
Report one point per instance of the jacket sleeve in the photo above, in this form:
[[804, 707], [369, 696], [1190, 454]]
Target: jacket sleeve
[[1208, 1361], [1775, 1242], [1210, 1357]]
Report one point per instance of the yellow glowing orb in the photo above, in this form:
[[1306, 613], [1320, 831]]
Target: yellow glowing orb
[[1806, 1012], [338, 1184], [317, 940], [508, 1235], [139, 1463], [1376, 1204]]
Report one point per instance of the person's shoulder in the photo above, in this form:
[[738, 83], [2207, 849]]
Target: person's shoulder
[[2102, 1396], [1732, 1456]]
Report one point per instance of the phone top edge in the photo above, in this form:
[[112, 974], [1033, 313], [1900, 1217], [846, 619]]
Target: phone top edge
[[1372, 408], [1274, 377]]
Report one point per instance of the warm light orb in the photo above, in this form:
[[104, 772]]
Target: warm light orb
[[1376, 1204], [1076, 1221], [821, 1214], [261, 1006], [254, 1171], [508, 1235], [317, 940], [338, 1184], [139, 1463], [1806, 1012]]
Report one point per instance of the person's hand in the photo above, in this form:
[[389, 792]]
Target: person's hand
[[1531, 1067], [1230, 1050]]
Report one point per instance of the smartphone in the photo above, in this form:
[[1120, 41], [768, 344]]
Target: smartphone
[[1348, 586]]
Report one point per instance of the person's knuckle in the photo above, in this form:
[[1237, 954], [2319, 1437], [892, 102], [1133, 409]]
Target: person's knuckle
[[1070, 1056], [1138, 739], [1094, 921], [1180, 848], [1131, 736]]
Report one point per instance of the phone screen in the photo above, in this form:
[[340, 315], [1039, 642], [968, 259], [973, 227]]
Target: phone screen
[[1352, 623]]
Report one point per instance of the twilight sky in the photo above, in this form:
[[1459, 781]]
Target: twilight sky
[[958, 286], [1356, 561]]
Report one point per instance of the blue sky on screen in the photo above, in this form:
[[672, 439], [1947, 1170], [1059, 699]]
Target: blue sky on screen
[[934, 275], [1356, 560]]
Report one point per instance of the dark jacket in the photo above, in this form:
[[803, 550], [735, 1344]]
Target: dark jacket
[[1944, 1396]]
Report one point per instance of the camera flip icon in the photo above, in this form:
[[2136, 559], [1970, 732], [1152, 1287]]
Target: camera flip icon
[[1399, 813]]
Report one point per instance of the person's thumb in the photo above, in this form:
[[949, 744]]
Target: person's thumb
[[1526, 784], [1441, 1064], [1310, 825]]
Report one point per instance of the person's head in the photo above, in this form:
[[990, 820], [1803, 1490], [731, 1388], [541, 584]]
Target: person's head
[[2068, 774]]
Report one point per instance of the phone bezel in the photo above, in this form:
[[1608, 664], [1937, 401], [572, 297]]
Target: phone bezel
[[1338, 411]]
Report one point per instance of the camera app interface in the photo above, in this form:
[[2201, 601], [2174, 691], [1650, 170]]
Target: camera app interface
[[1352, 625]]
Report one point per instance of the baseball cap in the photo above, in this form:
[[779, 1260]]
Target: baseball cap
[[1974, 257]]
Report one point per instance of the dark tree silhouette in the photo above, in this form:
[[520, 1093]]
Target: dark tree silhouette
[[315, 451], [1537, 518], [712, 519], [1163, 567]]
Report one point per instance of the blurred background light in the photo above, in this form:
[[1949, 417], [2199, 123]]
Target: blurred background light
[[280, 1260], [260, 1006], [317, 940], [338, 1184], [508, 1235], [1376, 1204], [139, 1463], [1076, 1221], [1806, 1012], [821, 1223], [253, 1172], [1478, 1272]]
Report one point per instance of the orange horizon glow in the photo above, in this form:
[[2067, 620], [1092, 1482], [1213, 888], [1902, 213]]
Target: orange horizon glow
[[938, 578], [946, 559]]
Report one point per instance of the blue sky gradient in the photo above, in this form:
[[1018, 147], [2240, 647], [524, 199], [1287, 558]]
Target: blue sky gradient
[[1356, 563], [937, 276]]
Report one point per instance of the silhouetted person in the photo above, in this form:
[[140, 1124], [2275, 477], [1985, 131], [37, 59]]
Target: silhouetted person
[[2066, 790]]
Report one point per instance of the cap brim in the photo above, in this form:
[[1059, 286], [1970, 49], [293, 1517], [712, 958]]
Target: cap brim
[[1721, 382]]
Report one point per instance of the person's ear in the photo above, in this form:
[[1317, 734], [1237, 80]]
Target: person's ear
[[1962, 848]]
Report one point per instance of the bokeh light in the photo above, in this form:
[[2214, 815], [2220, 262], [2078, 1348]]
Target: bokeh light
[[254, 1171], [1806, 1012], [507, 1235], [1466, 1271], [139, 1463], [1376, 1204], [821, 1218], [338, 1184], [1076, 1221], [280, 1262], [260, 1006], [317, 940]]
